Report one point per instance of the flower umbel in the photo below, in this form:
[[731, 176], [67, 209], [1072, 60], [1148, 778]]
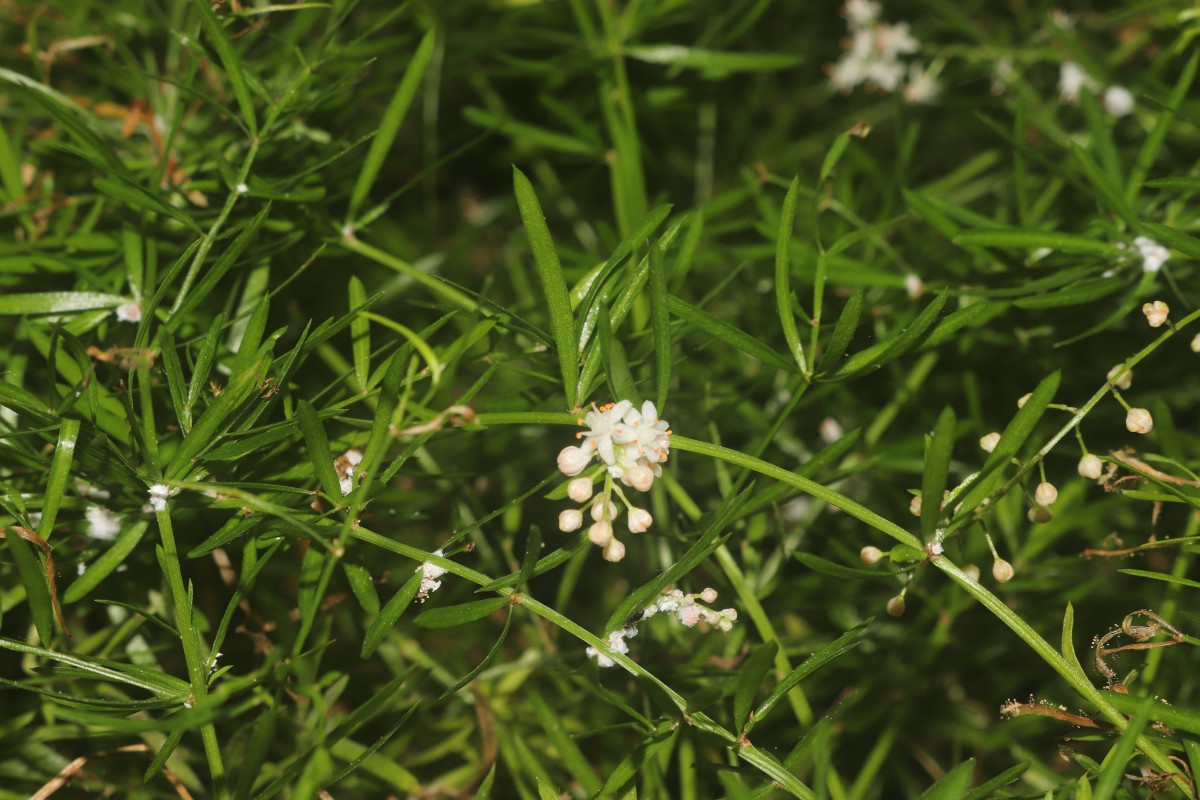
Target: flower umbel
[[689, 609]]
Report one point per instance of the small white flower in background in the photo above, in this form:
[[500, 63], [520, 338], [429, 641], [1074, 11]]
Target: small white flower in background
[[990, 441], [1090, 467], [129, 312], [830, 430], [632, 444], [242, 188], [212, 661], [104, 525], [1002, 75], [1156, 313], [861, 13], [1138, 420], [914, 506], [1071, 79], [1118, 101], [430, 573], [873, 56], [344, 466], [85, 489], [158, 497], [1123, 382], [923, 86], [914, 287], [616, 643], [1154, 255]]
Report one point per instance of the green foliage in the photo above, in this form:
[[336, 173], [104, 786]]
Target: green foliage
[[292, 297]]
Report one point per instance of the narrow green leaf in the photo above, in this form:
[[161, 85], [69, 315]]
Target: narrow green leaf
[[569, 754], [360, 334], [254, 754], [1162, 576], [461, 614], [37, 590], [562, 321], [482, 665], [1177, 717], [362, 585], [229, 59], [896, 345], [1185, 243], [150, 679], [660, 327], [546, 791], [843, 331], [16, 398], [1117, 760], [528, 134], [57, 302], [382, 624], [843, 644], [204, 361], [60, 472], [1031, 240], [1078, 293], [134, 196], [185, 303], [937, 467], [1154, 142], [206, 432], [247, 350], [988, 789], [713, 61], [533, 549], [175, 382], [112, 557], [783, 276], [393, 118], [750, 676], [735, 337], [1011, 439], [958, 319], [620, 379], [1108, 194], [1067, 646], [953, 785], [634, 763], [818, 564], [318, 451], [164, 752]]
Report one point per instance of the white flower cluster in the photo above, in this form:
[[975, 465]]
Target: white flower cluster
[[872, 56], [104, 525], [632, 445], [158, 493], [1153, 254], [673, 601], [1072, 78], [430, 573]]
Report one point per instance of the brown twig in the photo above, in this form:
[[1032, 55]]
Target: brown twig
[[44, 546]]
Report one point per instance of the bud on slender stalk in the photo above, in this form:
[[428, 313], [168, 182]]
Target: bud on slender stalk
[[895, 606], [870, 555], [1090, 467], [1002, 571], [990, 441], [1040, 514], [1123, 382], [1046, 493], [570, 520], [1138, 420], [580, 489]]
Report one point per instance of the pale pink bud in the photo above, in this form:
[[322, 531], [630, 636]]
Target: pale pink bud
[[914, 506], [580, 489], [572, 460], [1039, 515], [640, 477], [709, 595], [570, 520], [639, 520], [990, 441], [1046, 493], [972, 572], [614, 551], [1002, 571], [1156, 313], [870, 555], [1090, 467], [1023, 399], [600, 533], [1138, 420], [604, 508], [1123, 382]]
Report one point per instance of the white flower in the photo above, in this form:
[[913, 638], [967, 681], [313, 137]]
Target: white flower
[[129, 312], [572, 460], [616, 643], [1118, 101], [602, 424], [580, 489], [104, 525], [430, 573], [847, 73], [1090, 467], [158, 497], [923, 86], [639, 520], [860, 13], [990, 441], [830, 430], [1002, 75], [570, 520], [885, 73], [1138, 420], [894, 40], [914, 287], [1071, 79], [1156, 313], [1123, 382], [1154, 255], [649, 435]]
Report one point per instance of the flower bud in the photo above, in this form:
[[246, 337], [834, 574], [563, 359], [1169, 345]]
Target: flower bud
[[895, 606], [1125, 381], [1138, 420], [1002, 571], [1039, 515], [972, 572], [604, 508], [614, 551], [570, 520], [1156, 313], [1024, 399], [990, 441], [1196, 343], [870, 555], [1046, 493], [914, 506], [709, 595], [580, 489], [640, 477], [1090, 467], [572, 460], [639, 520], [601, 533]]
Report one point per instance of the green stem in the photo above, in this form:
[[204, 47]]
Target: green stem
[[197, 666]]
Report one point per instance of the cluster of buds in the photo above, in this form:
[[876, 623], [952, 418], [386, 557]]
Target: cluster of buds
[[631, 445], [1153, 254], [1156, 313], [430, 573], [872, 56], [673, 601], [1043, 497]]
